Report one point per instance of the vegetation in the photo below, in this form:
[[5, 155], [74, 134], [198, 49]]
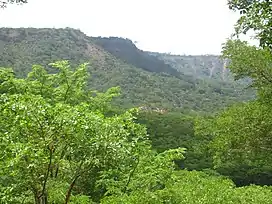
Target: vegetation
[[57, 146], [53, 133], [68, 136], [125, 49], [242, 134], [197, 188], [20, 48], [246, 142], [172, 130], [255, 15]]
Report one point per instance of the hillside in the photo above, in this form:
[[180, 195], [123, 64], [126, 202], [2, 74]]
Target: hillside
[[145, 80], [199, 66], [125, 50]]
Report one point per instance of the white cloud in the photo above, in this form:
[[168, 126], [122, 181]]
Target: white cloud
[[177, 26]]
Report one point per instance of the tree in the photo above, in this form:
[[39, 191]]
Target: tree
[[48, 130], [192, 187], [251, 62], [3, 4], [241, 135], [255, 15], [54, 137], [172, 130], [241, 145]]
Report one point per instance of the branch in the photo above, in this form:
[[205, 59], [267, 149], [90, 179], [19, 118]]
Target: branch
[[69, 192], [61, 157], [265, 77], [131, 174], [68, 87], [47, 173]]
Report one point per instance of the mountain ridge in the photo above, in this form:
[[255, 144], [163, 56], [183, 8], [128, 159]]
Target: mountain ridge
[[141, 86]]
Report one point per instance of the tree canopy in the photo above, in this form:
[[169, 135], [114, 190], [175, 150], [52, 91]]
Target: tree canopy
[[63, 142], [242, 134], [54, 133], [256, 15]]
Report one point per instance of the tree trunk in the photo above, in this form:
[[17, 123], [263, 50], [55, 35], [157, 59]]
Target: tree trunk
[[41, 199], [69, 192]]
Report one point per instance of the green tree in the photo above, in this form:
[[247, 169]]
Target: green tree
[[242, 134], [172, 130], [192, 187], [241, 145], [53, 135], [251, 62], [255, 15]]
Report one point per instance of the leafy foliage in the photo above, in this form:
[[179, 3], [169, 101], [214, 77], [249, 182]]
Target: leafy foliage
[[249, 61], [53, 133], [124, 49], [57, 146], [61, 142], [197, 187], [241, 143], [255, 15], [173, 130]]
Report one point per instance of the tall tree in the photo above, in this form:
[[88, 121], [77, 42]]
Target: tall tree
[[242, 135], [54, 137]]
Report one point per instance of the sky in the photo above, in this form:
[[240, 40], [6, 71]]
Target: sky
[[188, 27]]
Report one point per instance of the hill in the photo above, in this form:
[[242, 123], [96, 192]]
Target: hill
[[199, 66], [125, 50], [145, 80]]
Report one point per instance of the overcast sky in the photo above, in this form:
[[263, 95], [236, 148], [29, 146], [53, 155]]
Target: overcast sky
[[176, 26]]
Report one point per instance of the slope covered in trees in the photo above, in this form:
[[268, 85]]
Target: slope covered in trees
[[126, 50], [154, 87], [58, 146], [63, 142]]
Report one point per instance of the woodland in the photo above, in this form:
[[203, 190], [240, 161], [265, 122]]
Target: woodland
[[97, 120]]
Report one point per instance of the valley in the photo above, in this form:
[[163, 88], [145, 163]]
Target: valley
[[89, 120]]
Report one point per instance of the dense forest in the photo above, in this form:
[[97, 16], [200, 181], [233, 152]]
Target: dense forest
[[97, 120]]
